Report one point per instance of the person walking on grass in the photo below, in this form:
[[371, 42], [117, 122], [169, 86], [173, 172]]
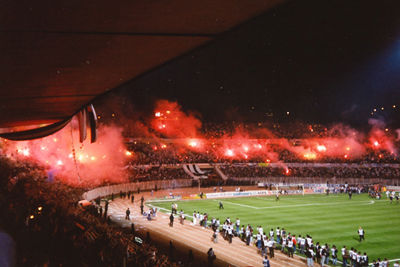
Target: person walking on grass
[[361, 233]]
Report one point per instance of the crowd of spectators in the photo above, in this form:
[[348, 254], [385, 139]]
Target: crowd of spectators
[[156, 173], [51, 229], [245, 171]]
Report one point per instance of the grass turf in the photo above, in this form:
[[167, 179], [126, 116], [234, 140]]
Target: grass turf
[[332, 219]]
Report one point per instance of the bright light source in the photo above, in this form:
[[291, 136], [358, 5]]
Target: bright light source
[[376, 143], [193, 143], [229, 152], [321, 148], [128, 153], [157, 114], [40, 208], [32, 217], [59, 162]]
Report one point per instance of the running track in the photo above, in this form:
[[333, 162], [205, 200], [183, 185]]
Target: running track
[[196, 238]]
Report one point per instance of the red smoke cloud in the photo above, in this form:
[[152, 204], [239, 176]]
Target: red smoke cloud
[[171, 122], [76, 163], [171, 131]]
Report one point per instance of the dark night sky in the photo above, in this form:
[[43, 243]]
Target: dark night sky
[[324, 61]]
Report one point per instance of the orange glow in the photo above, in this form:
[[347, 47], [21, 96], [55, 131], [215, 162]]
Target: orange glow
[[310, 156]]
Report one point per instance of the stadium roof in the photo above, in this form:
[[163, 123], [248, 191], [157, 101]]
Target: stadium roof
[[58, 56]]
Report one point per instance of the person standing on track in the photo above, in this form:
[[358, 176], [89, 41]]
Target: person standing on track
[[128, 212], [237, 226], [334, 252], [345, 256], [211, 257], [230, 232], [266, 262], [310, 255], [171, 220], [361, 233], [271, 245], [290, 247], [181, 216], [141, 208], [194, 218]]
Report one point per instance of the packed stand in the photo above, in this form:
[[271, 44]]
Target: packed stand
[[50, 228]]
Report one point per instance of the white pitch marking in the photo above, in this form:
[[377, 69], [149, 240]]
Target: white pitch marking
[[242, 205], [317, 204]]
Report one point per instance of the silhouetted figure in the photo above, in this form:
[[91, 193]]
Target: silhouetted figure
[[190, 258], [211, 257], [171, 220]]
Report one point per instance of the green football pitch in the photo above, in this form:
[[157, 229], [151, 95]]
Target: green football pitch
[[332, 219]]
